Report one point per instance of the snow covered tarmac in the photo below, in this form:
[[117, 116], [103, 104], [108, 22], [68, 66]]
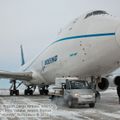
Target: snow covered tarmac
[[40, 107]]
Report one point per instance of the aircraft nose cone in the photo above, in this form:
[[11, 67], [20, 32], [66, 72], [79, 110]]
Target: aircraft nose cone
[[117, 34]]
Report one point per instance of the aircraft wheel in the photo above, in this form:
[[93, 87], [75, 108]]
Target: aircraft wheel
[[17, 92], [26, 92], [41, 92], [11, 92], [46, 92], [31, 92]]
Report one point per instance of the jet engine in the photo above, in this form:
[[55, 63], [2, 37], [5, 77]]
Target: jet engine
[[102, 84], [117, 80]]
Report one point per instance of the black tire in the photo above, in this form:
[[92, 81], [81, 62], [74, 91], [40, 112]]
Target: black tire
[[26, 92], [70, 103], [92, 105], [52, 97], [41, 92], [11, 92], [46, 92], [31, 92], [17, 92]]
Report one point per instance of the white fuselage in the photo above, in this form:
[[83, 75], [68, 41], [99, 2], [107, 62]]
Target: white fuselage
[[87, 47]]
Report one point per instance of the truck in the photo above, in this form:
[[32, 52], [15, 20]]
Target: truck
[[73, 91]]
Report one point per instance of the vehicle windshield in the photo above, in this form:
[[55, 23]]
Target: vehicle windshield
[[79, 85]]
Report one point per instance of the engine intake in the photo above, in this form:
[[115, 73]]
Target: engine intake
[[103, 84], [117, 80]]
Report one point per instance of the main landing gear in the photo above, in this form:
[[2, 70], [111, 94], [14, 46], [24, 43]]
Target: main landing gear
[[30, 90], [13, 88], [93, 86], [43, 89]]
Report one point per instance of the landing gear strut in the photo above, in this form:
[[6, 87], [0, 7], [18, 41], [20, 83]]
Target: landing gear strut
[[30, 90], [13, 88], [93, 86], [43, 89]]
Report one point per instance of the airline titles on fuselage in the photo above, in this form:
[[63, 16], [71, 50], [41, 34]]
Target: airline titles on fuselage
[[51, 60]]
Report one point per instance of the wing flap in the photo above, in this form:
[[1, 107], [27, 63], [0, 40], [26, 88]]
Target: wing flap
[[16, 75]]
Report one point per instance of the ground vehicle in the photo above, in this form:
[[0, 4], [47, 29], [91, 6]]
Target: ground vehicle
[[74, 91]]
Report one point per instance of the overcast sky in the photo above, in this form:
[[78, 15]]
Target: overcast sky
[[36, 23]]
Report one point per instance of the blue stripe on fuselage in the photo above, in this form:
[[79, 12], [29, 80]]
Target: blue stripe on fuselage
[[84, 36], [72, 38]]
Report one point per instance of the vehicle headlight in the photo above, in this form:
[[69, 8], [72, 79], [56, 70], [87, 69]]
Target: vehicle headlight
[[76, 95]]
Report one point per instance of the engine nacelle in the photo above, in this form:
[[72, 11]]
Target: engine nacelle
[[102, 84], [117, 80]]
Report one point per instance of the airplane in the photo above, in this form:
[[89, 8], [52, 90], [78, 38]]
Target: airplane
[[88, 47]]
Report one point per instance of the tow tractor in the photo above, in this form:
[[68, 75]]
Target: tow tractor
[[73, 91]]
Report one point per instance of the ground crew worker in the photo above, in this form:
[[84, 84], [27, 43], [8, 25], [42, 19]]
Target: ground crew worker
[[118, 92]]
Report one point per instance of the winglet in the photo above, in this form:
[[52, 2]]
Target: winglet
[[22, 56]]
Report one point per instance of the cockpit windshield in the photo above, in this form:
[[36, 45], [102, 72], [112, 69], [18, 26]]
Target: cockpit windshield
[[97, 12], [79, 85]]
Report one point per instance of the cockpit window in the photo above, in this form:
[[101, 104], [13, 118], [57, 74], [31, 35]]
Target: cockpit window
[[98, 12]]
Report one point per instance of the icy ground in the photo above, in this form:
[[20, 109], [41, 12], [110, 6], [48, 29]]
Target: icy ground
[[41, 108]]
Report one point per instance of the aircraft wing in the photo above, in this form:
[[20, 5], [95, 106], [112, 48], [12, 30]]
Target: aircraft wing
[[16, 75]]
